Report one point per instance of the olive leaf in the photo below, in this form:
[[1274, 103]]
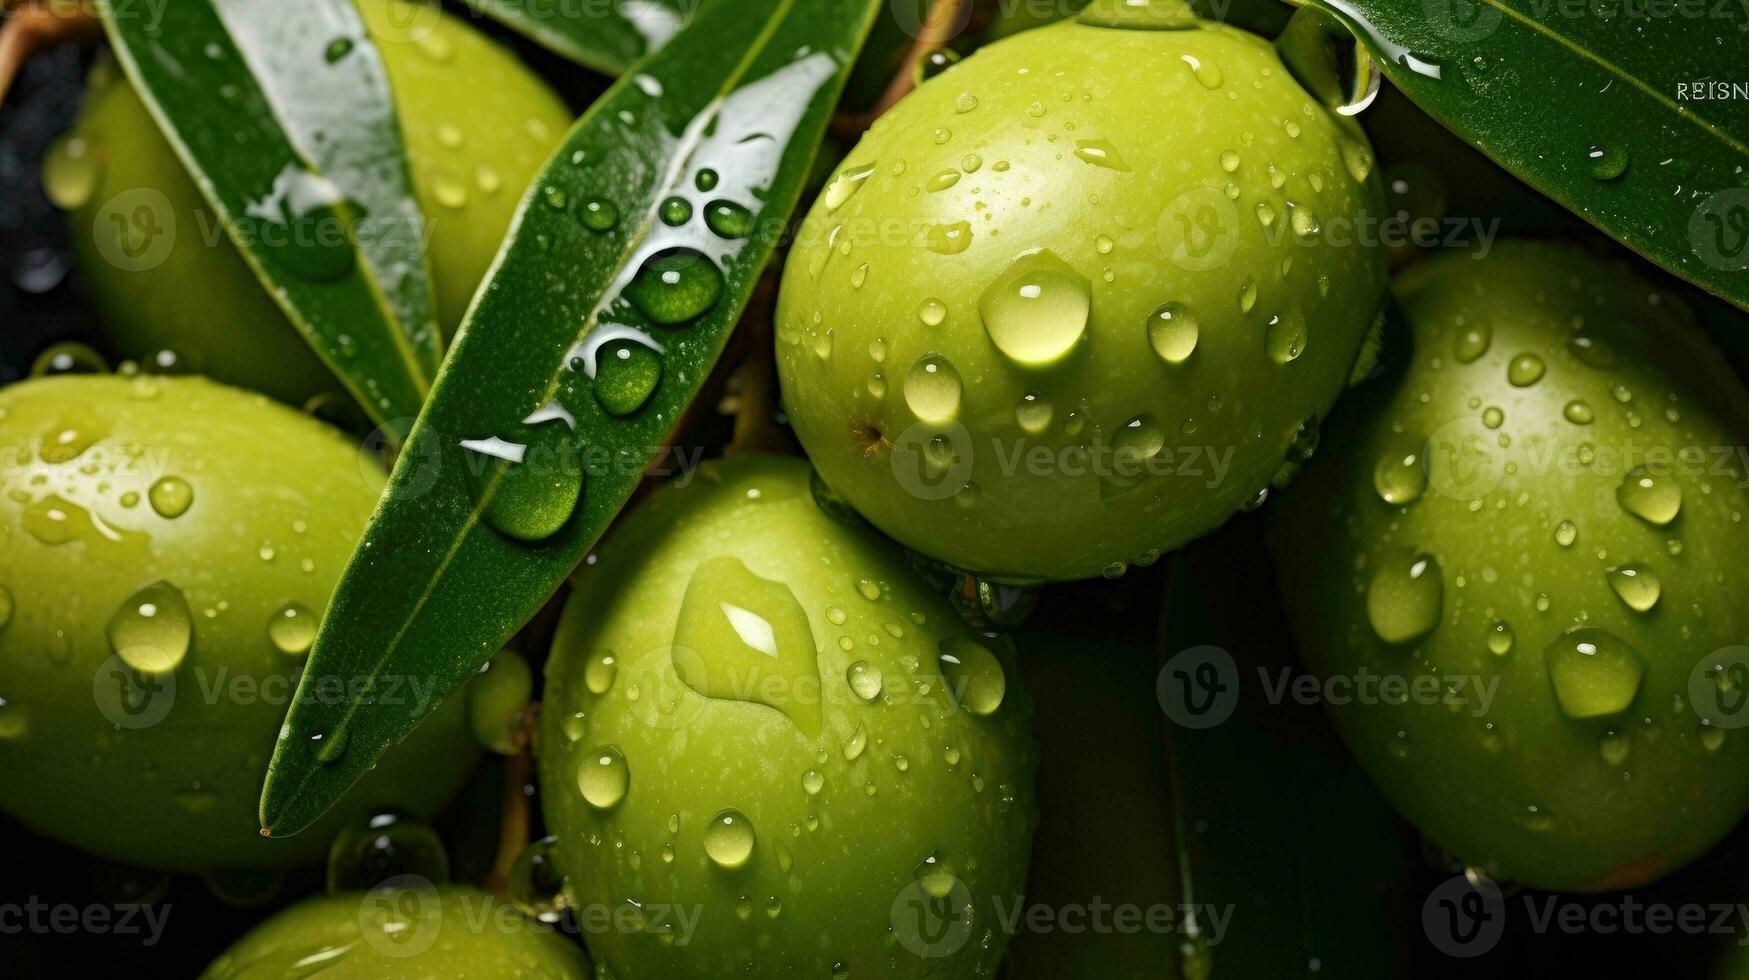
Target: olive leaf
[[282, 114], [631, 259], [1622, 113], [1276, 827], [608, 36]]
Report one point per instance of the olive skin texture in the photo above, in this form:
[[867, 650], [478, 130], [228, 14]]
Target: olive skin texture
[[167, 546], [764, 730], [1069, 305], [477, 126], [1542, 510], [416, 932]]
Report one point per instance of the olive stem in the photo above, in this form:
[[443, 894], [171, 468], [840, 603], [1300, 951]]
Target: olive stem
[[30, 27], [755, 403], [931, 35], [514, 811]]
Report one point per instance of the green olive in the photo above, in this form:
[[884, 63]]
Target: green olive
[[1078, 299], [167, 547], [403, 928], [1541, 515], [767, 748], [477, 125]]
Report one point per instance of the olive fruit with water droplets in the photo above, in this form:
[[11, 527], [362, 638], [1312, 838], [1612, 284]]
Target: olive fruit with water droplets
[[1540, 512], [1081, 297], [477, 125], [167, 546], [772, 751], [402, 929]]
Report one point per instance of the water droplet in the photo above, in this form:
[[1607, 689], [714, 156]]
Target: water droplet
[[70, 172], [1358, 158], [604, 777], [864, 679], [964, 103], [934, 64], [1500, 638], [1405, 596], [740, 637], [1173, 333], [676, 286], [936, 876], [1100, 153], [729, 839], [601, 670], [728, 219], [292, 630], [932, 312], [1651, 497], [1207, 73], [1400, 478], [1607, 162], [1473, 342], [1037, 311], [1578, 413], [1033, 413], [1525, 370], [598, 215], [706, 180], [949, 239], [1138, 440], [528, 489], [1613, 748], [627, 374], [1594, 673], [845, 186], [1566, 533], [855, 744], [942, 181], [675, 211], [813, 782], [1285, 336], [1638, 587], [536, 885], [68, 357], [152, 630], [1594, 351], [973, 675], [338, 48], [933, 388], [386, 845], [1247, 296]]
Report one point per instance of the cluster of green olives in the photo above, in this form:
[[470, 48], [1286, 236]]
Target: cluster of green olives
[[1065, 308]]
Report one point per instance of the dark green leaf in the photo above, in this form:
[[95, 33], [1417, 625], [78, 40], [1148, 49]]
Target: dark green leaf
[[1601, 107], [631, 261], [1277, 828], [608, 37], [282, 113]]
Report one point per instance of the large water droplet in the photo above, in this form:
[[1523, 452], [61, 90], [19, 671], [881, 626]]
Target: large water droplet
[[1405, 596], [1637, 586], [729, 839], [676, 286], [1594, 673], [974, 676], [1400, 478], [845, 186], [152, 629], [740, 637], [1037, 311], [528, 489], [1173, 332], [1654, 498], [627, 374], [604, 777], [384, 846], [1525, 370], [1473, 342], [933, 388]]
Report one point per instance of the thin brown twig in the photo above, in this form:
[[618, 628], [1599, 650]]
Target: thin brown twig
[[33, 26], [513, 822], [934, 33]]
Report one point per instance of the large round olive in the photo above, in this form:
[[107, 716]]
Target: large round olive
[[1526, 544], [767, 749], [1078, 299], [167, 546], [164, 276], [403, 928]]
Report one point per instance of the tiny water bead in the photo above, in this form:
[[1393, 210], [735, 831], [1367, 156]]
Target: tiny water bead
[[1594, 673], [1173, 333], [152, 630], [675, 287], [1405, 596], [603, 777], [729, 839], [933, 388], [68, 357], [1652, 497], [1037, 311], [1501, 638], [933, 64], [1637, 586], [292, 629], [974, 676], [1033, 413], [1607, 162], [1525, 370], [1285, 336], [384, 846], [598, 215]]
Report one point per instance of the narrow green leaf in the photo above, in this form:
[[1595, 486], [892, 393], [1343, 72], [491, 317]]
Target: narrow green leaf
[[1277, 829], [1622, 115], [608, 37], [630, 262], [283, 115]]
